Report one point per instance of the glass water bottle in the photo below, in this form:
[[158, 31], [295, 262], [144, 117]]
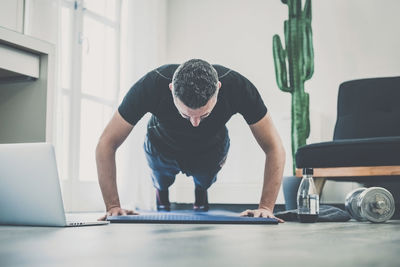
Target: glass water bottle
[[307, 198]]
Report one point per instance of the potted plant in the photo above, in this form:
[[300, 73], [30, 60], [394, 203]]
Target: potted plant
[[294, 64]]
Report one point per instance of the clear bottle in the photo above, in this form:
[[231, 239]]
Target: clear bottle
[[307, 198]]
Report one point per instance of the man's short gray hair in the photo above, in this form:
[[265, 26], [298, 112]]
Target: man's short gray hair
[[195, 82]]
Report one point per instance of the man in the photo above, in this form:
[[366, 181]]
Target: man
[[190, 105]]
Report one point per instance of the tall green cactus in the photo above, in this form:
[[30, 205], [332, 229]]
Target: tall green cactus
[[299, 58]]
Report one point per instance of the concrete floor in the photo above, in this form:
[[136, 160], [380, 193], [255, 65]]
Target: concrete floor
[[288, 244]]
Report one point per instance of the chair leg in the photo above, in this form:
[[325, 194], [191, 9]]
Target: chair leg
[[319, 185]]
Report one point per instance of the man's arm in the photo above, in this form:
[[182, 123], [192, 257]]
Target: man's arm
[[268, 138], [113, 136]]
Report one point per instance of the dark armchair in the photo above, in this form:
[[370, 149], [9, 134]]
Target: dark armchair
[[366, 140]]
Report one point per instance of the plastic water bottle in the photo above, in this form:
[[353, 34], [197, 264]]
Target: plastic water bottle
[[307, 198]]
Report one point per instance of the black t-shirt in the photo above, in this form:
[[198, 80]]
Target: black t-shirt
[[174, 135]]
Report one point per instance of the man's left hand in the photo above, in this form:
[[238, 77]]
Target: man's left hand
[[265, 213]]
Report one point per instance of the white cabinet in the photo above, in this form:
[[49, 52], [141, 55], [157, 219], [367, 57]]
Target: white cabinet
[[16, 63], [12, 14], [27, 83]]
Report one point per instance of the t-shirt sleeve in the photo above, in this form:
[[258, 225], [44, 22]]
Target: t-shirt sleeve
[[140, 99], [248, 100]]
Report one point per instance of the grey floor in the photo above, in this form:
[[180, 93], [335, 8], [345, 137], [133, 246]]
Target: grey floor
[[288, 244]]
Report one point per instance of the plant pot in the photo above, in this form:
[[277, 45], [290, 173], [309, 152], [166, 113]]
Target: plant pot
[[290, 186]]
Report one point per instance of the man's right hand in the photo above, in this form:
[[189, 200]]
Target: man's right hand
[[116, 211]]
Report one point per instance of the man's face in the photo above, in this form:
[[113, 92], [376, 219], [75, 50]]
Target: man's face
[[195, 116]]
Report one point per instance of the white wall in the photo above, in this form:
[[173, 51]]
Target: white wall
[[352, 39]]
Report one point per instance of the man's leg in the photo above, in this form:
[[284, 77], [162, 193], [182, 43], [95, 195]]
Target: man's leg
[[205, 176], [203, 181], [163, 173]]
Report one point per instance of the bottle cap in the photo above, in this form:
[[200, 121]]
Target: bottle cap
[[309, 171]]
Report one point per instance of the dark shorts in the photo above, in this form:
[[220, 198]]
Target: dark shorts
[[203, 167]]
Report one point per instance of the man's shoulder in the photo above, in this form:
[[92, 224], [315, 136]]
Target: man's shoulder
[[166, 71], [222, 71], [231, 78]]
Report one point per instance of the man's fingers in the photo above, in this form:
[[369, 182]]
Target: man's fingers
[[258, 214], [131, 212], [102, 218], [248, 213], [266, 215], [127, 212], [269, 215], [115, 213], [119, 212], [279, 220]]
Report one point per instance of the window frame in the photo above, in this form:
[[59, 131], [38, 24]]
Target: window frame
[[80, 195]]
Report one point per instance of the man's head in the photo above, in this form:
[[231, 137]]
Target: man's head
[[195, 88]]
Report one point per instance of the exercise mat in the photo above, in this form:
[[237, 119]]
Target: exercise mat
[[190, 218]]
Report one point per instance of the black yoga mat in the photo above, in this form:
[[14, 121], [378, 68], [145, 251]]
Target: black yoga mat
[[190, 218]]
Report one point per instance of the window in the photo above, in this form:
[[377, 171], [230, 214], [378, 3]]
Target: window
[[89, 77]]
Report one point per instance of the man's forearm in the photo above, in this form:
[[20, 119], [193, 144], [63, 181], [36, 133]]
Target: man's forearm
[[274, 165], [106, 169]]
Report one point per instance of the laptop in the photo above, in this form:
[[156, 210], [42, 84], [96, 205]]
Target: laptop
[[30, 192]]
